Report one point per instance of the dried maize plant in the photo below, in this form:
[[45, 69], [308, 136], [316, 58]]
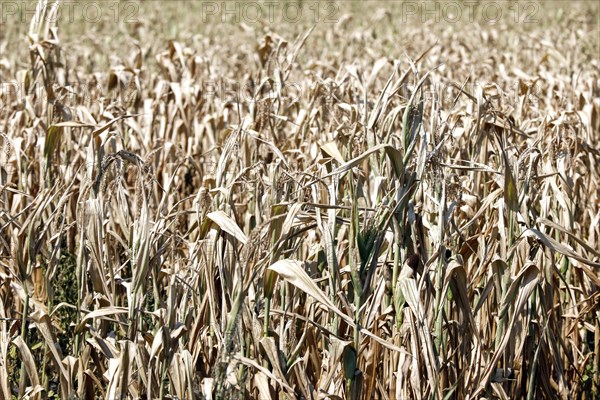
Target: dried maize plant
[[366, 201]]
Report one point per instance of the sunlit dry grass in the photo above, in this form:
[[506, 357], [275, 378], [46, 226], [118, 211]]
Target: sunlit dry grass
[[371, 208]]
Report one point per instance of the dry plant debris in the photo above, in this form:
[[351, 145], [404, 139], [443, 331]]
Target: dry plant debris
[[371, 206]]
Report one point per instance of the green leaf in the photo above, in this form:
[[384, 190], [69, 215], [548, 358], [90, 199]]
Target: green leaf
[[52, 141], [349, 360]]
